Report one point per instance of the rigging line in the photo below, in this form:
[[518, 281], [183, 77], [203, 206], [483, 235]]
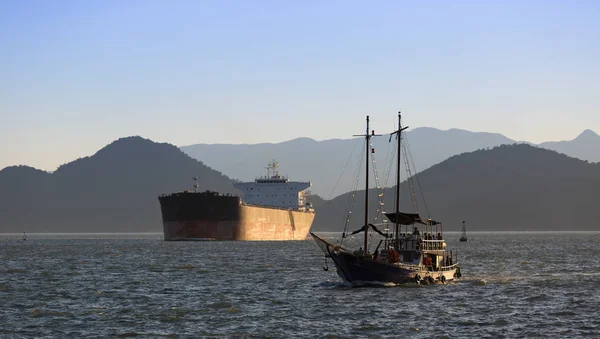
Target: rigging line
[[377, 186], [410, 182], [417, 175], [390, 164], [390, 157], [352, 196], [380, 190], [386, 168], [344, 169]]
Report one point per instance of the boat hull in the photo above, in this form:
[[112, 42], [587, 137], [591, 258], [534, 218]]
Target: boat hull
[[193, 216], [354, 268]]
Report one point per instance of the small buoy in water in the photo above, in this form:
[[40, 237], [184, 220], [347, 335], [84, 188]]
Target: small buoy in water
[[481, 282]]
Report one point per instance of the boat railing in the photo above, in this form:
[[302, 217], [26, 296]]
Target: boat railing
[[205, 193], [294, 209], [450, 261], [432, 244], [448, 268]]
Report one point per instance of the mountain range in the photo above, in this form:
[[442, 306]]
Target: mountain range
[[585, 147], [514, 187], [331, 164], [115, 190]]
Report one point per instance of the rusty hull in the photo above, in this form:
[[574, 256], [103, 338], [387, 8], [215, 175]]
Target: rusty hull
[[251, 223]]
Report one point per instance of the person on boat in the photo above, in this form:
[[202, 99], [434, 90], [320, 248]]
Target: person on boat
[[427, 261], [439, 236], [416, 231], [376, 254], [392, 256]]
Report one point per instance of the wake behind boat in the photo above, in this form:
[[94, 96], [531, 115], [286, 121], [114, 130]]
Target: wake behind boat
[[415, 252]]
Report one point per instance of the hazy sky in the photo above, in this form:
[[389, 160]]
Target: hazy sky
[[76, 75]]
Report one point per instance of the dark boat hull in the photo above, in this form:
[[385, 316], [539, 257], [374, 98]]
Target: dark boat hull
[[352, 268]]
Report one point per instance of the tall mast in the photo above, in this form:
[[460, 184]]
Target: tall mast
[[399, 136], [367, 136]]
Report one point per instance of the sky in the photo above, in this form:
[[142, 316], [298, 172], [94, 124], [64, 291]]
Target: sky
[[77, 75]]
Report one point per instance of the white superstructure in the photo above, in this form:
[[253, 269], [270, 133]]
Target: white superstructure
[[275, 190]]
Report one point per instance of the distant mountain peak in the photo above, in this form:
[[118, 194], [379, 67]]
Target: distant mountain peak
[[20, 168], [587, 134], [126, 144], [134, 139]]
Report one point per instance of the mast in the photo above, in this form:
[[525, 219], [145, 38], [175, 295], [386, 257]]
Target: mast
[[367, 137], [366, 226], [399, 137]]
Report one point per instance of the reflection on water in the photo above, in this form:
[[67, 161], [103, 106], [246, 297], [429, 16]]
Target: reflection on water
[[89, 285]]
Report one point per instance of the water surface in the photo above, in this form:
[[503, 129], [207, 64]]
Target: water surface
[[128, 285]]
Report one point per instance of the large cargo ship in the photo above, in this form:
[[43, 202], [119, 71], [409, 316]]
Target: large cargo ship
[[272, 208]]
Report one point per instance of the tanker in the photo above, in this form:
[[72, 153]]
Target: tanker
[[270, 208]]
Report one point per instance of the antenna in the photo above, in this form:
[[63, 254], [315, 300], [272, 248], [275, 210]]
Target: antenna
[[272, 169], [275, 168]]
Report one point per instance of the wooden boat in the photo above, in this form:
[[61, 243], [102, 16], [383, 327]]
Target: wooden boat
[[415, 252]]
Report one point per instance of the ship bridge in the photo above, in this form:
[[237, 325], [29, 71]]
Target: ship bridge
[[274, 190]]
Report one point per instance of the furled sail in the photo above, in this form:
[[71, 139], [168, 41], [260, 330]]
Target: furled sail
[[405, 218], [362, 229]]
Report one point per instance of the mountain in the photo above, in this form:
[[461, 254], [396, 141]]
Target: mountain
[[115, 190], [586, 146], [508, 187], [324, 162], [511, 187]]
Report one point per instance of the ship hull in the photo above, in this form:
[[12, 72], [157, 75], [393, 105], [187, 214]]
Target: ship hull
[[193, 216]]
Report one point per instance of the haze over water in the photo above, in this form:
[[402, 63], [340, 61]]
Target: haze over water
[[514, 285]]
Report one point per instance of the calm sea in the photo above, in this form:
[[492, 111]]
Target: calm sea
[[515, 285]]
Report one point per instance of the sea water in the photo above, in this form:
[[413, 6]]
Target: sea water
[[137, 285]]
